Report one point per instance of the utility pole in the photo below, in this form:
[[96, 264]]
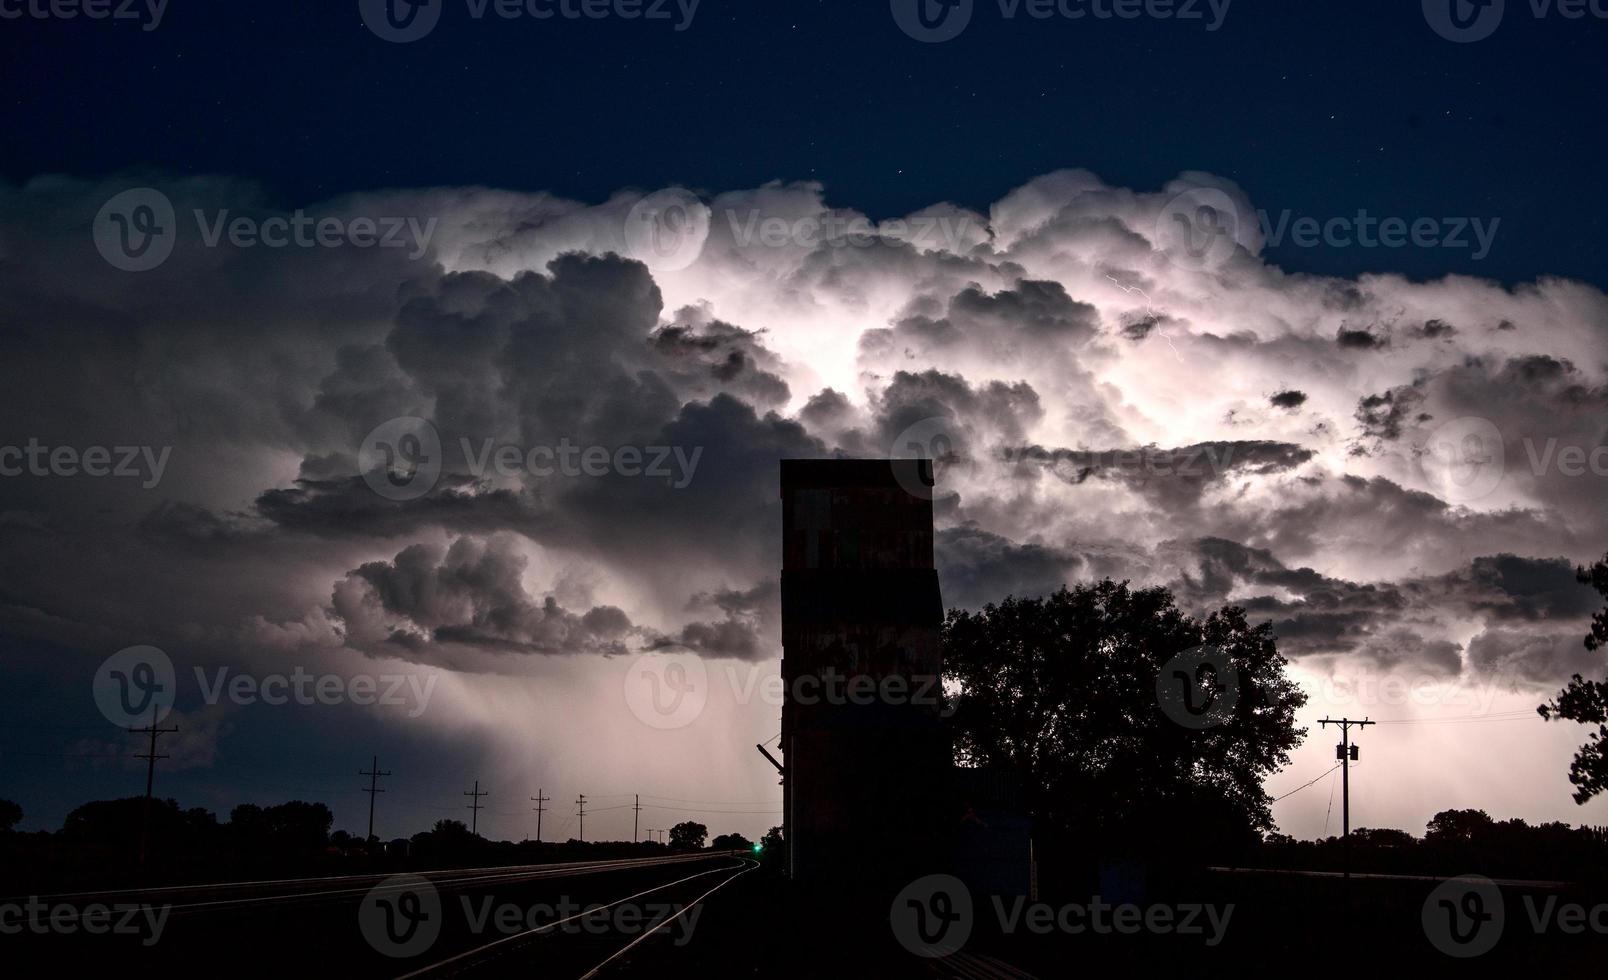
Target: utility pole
[[374, 773], [581, 800], [1347, 753], [474, 819], [636, 818], [150, 758], [540, 799]]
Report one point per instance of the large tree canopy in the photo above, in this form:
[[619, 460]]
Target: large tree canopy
[[1587, 701], [1063, 690]]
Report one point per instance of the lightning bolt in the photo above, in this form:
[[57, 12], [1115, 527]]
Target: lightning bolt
[[1149, 312]]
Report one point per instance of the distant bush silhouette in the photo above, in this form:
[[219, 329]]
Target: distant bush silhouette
[[10, 815], [1457, 842]]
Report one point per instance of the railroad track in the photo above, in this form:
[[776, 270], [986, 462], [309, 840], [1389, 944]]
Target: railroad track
[[302, 890], [511, 953]]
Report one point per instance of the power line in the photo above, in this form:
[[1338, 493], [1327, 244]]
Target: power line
[[673, 799], [1515, 715], [1330, 811], [695, 809], [1302, 786]]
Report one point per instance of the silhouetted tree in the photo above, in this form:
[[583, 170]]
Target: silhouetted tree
[[10, 815], [731, 842], [1587, 701], [689, 836], [1457, 826], [1063, 691], [773, 840], [294, 827], [116, 823], [1382, 837]]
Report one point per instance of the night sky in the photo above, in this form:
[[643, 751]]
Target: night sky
[[1054, 333], [1321, 107]]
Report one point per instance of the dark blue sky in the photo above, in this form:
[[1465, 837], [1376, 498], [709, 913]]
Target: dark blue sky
[[1320, 107]]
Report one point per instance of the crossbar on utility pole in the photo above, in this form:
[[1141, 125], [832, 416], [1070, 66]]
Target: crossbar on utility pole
[[1347, 754]]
